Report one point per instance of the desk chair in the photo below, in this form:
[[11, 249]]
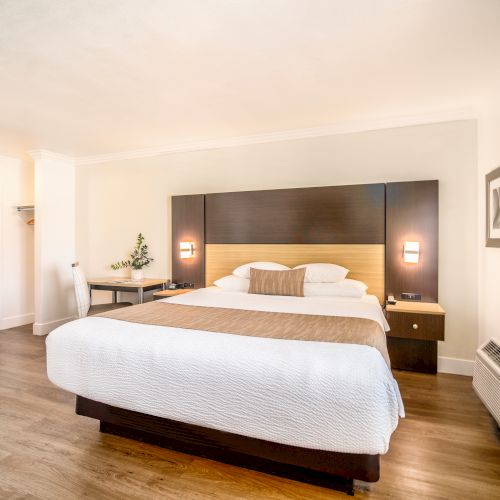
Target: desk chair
[[83, 299]]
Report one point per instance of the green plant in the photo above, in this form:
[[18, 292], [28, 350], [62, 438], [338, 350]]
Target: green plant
[[139, 258]]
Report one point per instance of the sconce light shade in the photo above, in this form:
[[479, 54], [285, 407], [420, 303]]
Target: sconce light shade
[[411, 252], [187, 249]]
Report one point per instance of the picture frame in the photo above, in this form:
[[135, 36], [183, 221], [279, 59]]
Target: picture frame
[[493, 208]]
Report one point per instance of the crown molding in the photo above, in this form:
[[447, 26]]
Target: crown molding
[[44, 154], [285, 135], [9, 158]]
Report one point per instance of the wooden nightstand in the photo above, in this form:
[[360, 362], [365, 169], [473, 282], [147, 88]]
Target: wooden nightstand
[[171, 293], [416, 328]]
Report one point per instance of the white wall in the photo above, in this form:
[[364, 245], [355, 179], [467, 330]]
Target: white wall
[[16, 244], [117, 200], [489, 258], [54, 240]]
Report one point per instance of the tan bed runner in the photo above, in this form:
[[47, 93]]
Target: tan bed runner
[[274, 325]]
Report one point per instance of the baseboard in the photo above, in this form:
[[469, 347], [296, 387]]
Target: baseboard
[[456, 366], [14, 321], [46, 328]]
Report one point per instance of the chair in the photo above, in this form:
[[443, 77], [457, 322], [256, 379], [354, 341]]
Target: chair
[[83, 299]]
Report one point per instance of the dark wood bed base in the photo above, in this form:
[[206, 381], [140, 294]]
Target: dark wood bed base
[[323, 468]]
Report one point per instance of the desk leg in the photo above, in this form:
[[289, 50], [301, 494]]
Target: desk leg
[[140, 292], [90, 293], [114, 297]]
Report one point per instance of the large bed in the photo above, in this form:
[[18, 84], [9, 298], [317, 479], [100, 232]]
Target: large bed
[[334, 400], [295, 386]]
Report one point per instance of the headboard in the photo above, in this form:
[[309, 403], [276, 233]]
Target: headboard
[[338, 224], [350, 225]]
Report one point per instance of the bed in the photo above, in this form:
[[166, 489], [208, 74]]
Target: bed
[[317, 411], [248, 380]]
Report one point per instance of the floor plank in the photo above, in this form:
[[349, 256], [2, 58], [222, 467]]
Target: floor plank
[[446, 448]]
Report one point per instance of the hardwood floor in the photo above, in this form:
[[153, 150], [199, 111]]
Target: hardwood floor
[[446, 448]]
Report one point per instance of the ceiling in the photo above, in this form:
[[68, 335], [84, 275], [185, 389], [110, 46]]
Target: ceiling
[[102, 76]]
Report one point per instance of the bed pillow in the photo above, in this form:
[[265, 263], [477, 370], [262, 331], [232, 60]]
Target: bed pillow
[[344, 288], [323, 273], [233, 284], [290, 283], [244, 270]]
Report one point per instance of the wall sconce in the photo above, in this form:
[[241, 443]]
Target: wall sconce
[[411, 252], [187, 249]]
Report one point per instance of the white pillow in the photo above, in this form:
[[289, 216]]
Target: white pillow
[[233, 284], [323, 273], [244, 270], [344, 288]]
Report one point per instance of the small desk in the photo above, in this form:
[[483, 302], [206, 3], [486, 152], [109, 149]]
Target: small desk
[[125, 285]]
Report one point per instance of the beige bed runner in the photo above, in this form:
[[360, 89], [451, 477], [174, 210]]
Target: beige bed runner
[[274, 325]]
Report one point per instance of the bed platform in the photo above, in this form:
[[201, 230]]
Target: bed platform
[[323, 468]]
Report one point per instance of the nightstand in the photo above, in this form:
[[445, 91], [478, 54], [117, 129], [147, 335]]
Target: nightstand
[[416, 328], [171, 293]]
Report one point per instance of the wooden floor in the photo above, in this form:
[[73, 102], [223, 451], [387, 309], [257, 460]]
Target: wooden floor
[[446, 448]]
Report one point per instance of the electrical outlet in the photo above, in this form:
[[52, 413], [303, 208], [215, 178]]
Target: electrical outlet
[[411, 296]]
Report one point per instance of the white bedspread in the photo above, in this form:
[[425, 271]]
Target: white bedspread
[[336, 397]]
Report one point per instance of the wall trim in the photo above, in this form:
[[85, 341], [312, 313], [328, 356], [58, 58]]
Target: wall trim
[[9, 158], [44, 154], [14, 321], [286, 135], [455, 366], [46, 328]]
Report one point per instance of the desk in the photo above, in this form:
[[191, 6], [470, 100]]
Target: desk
[[125, 285]]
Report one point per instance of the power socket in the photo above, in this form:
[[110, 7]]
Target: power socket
[[411, 296]]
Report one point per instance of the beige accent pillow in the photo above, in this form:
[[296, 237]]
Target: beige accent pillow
[[265, 282]]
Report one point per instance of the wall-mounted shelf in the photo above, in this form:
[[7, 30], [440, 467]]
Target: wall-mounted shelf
[[30, 211]]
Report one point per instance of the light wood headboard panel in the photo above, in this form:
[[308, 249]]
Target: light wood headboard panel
[[365, 261]]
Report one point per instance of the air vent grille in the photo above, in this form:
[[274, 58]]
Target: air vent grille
[[492, 350]]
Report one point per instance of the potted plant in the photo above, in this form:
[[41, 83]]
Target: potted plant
[[139, 258]]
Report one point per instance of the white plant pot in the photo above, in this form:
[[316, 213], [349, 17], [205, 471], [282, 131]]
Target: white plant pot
[[137, 275]]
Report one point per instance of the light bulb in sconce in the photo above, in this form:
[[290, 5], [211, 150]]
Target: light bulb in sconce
[[411, 252], [187, 249]]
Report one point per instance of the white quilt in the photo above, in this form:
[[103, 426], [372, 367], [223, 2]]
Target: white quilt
[[319, 395]]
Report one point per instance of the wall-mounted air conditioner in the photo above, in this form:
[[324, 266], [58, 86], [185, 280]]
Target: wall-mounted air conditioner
[[486, 379]]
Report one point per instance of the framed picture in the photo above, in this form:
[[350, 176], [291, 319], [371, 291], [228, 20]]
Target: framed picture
[[493, 208]]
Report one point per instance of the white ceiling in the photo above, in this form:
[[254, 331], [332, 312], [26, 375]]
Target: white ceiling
[[85, 77]]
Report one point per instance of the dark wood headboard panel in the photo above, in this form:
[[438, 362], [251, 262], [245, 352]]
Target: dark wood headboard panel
[[337, 214], [412, 215], [367, 214], [188, 224]]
